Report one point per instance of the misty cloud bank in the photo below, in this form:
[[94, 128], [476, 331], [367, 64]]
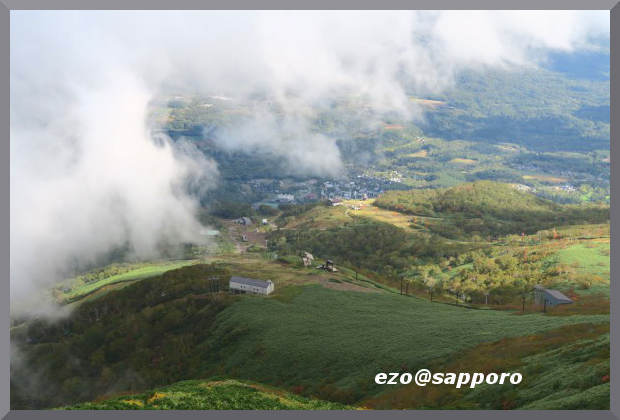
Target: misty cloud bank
[[86, 173]]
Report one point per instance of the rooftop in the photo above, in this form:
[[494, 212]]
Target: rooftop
[[250, 282], [555, 293]]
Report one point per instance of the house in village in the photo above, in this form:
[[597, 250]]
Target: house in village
[[549, 297], [247, 285], [285, 198]]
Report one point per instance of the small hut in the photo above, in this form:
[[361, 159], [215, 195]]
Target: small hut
[[550, 297]]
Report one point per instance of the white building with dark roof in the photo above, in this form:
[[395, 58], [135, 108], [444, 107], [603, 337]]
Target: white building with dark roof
[[247, 285]]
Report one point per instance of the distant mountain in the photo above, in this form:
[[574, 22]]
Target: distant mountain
[[541, 109], [587, 65]]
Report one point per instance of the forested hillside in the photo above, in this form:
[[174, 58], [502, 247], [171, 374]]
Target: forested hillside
[[488, 208]]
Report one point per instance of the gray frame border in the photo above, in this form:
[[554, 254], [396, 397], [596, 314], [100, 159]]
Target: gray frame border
[[7, 5]]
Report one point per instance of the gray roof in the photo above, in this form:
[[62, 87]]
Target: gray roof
[[250, 282], [558, 295], [555, 293]]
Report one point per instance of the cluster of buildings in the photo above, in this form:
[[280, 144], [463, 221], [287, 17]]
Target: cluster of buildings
[[360, 187]]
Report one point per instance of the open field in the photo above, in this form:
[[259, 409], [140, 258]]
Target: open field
[[587, 256], [367, 209], [464, 161], [545, 178], [419, 154], [586, 262], [322, 217]]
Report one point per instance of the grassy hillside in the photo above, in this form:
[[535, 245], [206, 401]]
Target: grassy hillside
[[585, 266], [225, 394], [76, 288], [313, 340], [488, 208], [566, 368], [332, 343], [437, 254]]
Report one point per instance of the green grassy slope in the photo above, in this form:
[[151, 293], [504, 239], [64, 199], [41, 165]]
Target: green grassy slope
[[590, 257], [80, 289], [311, 340], [564, 368], [226, 394], [585, 267], [488, 208], [332, 343]]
